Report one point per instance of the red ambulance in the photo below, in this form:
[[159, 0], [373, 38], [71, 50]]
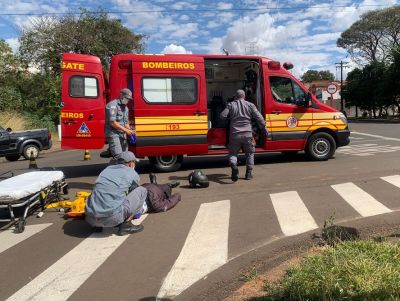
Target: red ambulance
[[177, 100]]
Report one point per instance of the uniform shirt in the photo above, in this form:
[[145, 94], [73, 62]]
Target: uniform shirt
[[111, 189], [241, 113], [116, 111]]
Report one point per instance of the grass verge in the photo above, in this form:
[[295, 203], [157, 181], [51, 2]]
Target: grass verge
[[351, 270]]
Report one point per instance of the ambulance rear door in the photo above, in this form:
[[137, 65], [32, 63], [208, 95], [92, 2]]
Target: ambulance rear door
[[82, 103]]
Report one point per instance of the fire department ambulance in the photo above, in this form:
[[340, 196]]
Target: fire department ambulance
[[177, 100]]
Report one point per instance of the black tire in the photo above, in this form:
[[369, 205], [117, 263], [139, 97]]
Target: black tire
[[21, 226], [320, 147], [30, 149], [166, 163], [13, 157]]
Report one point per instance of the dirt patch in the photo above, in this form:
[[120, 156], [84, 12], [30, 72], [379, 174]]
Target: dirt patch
[[255, 287]]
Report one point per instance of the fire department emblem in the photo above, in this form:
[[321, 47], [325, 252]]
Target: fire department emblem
[[83, 131], [291, 122]]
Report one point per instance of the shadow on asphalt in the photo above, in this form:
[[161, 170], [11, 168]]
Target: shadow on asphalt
[[154, 299], [77, 228]]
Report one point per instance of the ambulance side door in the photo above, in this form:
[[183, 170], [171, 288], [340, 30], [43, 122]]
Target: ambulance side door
[[83, 103], [170, 106], [287, 116]]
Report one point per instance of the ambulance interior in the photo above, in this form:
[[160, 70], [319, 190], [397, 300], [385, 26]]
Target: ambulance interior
[[224, 77]]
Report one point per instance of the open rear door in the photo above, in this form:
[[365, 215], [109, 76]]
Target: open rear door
[[83, 102]]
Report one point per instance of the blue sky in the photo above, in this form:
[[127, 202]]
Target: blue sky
[[301, 31]]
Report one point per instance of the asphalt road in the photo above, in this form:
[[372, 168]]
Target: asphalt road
[[57, 259]]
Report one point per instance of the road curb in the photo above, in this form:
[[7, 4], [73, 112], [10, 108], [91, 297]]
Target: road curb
[[222, 282]]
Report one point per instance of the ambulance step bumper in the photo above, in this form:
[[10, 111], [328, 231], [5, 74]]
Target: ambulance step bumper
[[343, 138]]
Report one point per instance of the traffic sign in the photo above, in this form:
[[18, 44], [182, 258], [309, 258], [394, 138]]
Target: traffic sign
[[332, 88]]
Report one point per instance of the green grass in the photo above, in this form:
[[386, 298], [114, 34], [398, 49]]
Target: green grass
[[353, 270], [26, 121]]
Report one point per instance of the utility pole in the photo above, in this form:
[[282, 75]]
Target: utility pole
[[341, 65]]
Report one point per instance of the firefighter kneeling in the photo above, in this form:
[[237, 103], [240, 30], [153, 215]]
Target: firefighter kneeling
[[117, 197]]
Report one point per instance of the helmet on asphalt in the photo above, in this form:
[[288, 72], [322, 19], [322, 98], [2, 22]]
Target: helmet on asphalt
[[198, 178]]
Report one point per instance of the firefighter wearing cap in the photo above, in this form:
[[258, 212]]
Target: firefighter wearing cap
[[116, 196], [241, 113], [117, 123]]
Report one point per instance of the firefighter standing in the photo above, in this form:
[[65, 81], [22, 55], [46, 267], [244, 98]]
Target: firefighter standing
[[117, 123], [241, 113]]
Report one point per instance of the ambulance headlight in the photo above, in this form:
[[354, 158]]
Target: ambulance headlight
[[343, 118]]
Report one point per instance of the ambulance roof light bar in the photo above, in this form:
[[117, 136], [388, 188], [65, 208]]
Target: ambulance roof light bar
[[274, 65]]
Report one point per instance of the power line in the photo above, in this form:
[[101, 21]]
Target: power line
[[134, 12]]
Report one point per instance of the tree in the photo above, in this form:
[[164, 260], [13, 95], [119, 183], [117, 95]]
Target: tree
[[90, 33], [372, 37], [313, 75], [10, 72]]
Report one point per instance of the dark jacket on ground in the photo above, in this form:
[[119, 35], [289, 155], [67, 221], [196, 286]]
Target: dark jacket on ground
[[159, 197]]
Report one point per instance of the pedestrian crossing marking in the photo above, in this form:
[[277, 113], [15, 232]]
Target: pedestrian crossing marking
[[361, 201], [293, 216], [367, 149], [205, 249], [9, 239], [394, 180], [65, 276]]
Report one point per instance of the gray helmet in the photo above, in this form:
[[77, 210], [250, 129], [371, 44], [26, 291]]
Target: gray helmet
[[198, 178]]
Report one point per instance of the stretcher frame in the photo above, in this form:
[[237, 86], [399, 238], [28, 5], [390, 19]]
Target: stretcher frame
[[49, 194]]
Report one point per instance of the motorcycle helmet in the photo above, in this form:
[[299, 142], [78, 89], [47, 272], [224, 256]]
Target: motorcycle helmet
[[198, 178]]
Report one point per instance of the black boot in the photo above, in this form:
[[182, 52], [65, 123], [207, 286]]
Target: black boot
[[153, 178], [235, 173], [249, 174], [97, 229], [129, 228], [174, 184]]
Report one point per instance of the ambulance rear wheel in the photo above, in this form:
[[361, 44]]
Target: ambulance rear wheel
[[320, 147], [166, 163]]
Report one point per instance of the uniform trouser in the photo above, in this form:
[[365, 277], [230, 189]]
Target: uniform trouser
[[245, 142], [117, 145], [129, 207]]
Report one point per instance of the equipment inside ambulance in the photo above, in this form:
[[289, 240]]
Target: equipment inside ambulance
[[177, 101]]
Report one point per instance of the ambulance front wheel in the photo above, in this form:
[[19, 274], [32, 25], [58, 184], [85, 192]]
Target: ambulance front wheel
[[166, 163], [320, 147]]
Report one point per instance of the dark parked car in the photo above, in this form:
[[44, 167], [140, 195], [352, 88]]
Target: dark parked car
[[29, 143]]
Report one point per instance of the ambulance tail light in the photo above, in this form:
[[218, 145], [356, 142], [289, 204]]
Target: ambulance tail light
[[274, 65], [126, 64], [288, 65]]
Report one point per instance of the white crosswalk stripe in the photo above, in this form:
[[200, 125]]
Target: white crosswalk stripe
[[367, 149], [205, 249], [293, 216], [9, 239], [65, 276], [394, 180], [361, 201]]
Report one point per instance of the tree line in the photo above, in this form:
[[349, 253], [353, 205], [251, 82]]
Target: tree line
[[30, 80], [374, 42]]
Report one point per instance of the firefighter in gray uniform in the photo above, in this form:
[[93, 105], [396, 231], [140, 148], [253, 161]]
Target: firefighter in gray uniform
[[240, 113], [117, 123]]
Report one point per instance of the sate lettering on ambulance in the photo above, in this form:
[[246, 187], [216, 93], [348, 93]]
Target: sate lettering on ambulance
[[167, 65], [73, 66]]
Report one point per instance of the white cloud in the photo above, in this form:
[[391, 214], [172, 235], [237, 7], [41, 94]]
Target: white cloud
[[184, 18], [14, 44], [172, 48], [224, 5]]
